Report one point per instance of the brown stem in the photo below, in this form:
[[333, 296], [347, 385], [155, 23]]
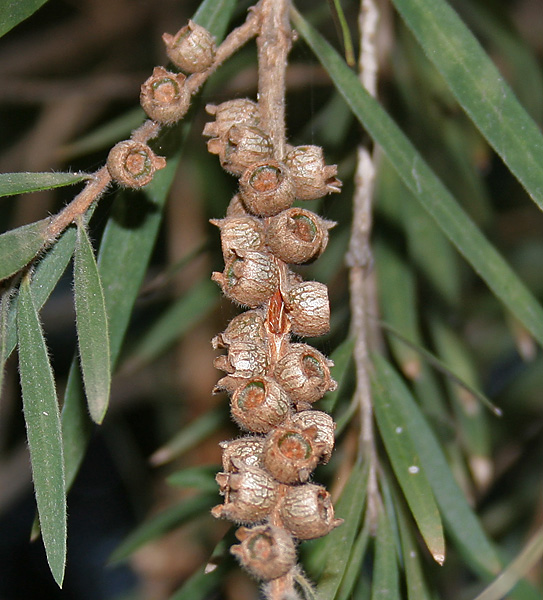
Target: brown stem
[[231, 44], [359, 259], [273, 44], [149, 130]]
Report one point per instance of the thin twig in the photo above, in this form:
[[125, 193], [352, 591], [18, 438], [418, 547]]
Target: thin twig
[[150, 129], [359, 260], [273, 43]]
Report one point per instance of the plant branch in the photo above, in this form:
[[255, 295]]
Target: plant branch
[[359, 260], [273, 44]]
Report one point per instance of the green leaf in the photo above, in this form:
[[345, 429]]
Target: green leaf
[[332, 558], [174, 322], [92, 326], [5, 303], [416, 586], [385, 585], [201, 478], [44, 280], [189, 436], [462, 524], [479, 88], [524, 562], [399, 304], [165, 521], [341, 357], [355, 564], [24, 183], [43, 430], [12, 13], [472, 425], [426, 186], [19, 246], [411, 475]]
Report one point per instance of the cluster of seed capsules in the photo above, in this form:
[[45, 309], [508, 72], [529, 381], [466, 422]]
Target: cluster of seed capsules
[[165, 97], [272, 381]]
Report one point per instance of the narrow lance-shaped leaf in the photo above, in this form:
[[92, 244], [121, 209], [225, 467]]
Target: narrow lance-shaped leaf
[[43, 429], [44, 279], [416, 586], [408, 468], [427, 187], [5, 299], [15, 12], [19, 246], [92, 326], [24, 183], [462, 524], [336, 547], [163, 522], [524, 562], [479, 88], [385, 585]]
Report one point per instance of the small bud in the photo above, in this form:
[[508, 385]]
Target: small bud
[[304, 373], [324, 426], [244, 359], [311, 177], [291, 454], [192, 48], [133, 164], [249, 495], [249, 278], [266, 188], [164, 96], [308, 309], [307, 511], [247, 326], [246, 450], [297, 236], [240, 233], [240, 111], [260, 405], [266, 551], [240, 148]]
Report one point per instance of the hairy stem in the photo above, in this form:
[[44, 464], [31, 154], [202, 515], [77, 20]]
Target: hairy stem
[[359, 260], [273, 44]]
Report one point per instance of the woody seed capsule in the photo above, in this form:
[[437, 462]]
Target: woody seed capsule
[[304, 373], [240, 148], [240, 111], [133, 164], [297, 236], [324, 426], [249, 278], [266, 551], [266, 188], [259, 405], [250, 495], [244, 359], [308, 309], [291, 454], [246, 451], [164, 96], [240, 233], [311, 177], [247, 326], [192, 48], [307, 511]]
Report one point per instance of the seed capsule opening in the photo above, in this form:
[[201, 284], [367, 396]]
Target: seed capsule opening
[[304, 228], [293, 445]]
